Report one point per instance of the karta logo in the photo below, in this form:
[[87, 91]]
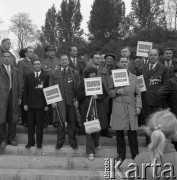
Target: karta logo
[[113, 167]]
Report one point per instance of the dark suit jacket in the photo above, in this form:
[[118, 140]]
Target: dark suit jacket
[[24, 67], [168, 94], [79, 67], [154, 80], [33, 90], [171, 69], [139, 63]]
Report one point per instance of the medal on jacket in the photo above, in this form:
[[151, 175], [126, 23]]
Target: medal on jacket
[[40, 86], [70, 80]]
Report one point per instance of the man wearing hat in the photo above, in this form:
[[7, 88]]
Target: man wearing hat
[[48, 65], [109, 60], [51, 62]]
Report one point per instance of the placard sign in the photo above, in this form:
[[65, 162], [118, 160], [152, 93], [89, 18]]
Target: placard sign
[[52, 94], [120, 77], [93, 86], [143, 48], [141, 83]]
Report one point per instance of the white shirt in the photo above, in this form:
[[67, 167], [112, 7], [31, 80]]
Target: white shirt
[[35, 73], [170, 63], [64, 68], [28, 59], [7, 67], [74, 60], [154, 65]]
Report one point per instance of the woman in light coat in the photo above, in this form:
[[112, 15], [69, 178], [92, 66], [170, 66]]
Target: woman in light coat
[[127, 105]]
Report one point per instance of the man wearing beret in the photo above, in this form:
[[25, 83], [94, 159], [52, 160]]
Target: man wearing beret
[[48, 65]]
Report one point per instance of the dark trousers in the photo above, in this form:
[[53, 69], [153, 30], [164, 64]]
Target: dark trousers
[[8, 134], [132, 139], [48, 119], [71, 126], [92, 141], [35, 118]]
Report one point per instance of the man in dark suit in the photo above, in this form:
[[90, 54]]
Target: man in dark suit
[[169, 61], [35, 103], [141, 62], [10, 98], [126, 52], [74, 62], [168, 95], [25, 67], [155, 75], [68, 80]]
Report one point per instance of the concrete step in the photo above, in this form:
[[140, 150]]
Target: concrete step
[[51, 130], [54, 168], [65, 151], [81, 140], [40, 174]]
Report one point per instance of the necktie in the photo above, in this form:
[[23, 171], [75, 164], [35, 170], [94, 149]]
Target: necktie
[[10, 79], [168, 64], [151, 67], [145, 62], [74, 61], [37, 75], [64, 70]]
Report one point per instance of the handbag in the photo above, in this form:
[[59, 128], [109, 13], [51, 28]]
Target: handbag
[[93, 125]]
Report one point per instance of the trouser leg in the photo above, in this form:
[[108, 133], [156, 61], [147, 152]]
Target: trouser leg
[[121, 146], [31, 126]]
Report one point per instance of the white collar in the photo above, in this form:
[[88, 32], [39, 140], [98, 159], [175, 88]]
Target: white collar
[[38, 73], [7, 66], [28, 59], [64, 68], [170, 62], [154, 65]]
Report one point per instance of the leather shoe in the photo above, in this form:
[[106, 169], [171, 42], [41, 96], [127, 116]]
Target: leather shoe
[[74, 146], [55, 124], [29, 145], [12, 143], [39, 146], [120, 158], [107, 135], [58, 146], [3, 145], [45, 126]]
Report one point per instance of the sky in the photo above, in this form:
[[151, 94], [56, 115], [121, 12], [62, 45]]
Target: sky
[[37, 10]]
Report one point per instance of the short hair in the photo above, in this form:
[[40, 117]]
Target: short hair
[[96, 52], [167, 49], [63, 55], [50, 47], [121, 58], [22, 53], [71, 48], [4, 40], [34, 60], [29, 47], [6, 52], [89, 70], [153, 49], [126, 47]]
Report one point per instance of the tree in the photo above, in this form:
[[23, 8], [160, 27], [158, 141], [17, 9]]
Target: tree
[[105, 20], [24, 30], [146, 15], [50, 29], [69, 20]]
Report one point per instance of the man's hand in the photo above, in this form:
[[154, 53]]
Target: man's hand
[[46, 108], [120, 90], [95, 97], [138, 111], [25, 107], [54, 105], [19, 102]]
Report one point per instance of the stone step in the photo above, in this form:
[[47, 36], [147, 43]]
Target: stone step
[[51, 130], [81, 140], [40, 174], [65, 151], [55, 163]]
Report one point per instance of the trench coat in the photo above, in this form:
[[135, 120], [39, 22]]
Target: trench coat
[[124, 107], [101, 106], [4, 93]]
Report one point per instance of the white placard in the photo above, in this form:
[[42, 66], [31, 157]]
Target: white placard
[[143, 48], [52, 94], [93, 86], [141, 83], [120, 77]]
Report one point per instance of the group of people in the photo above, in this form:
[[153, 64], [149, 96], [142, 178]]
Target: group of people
[[120, 108]]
